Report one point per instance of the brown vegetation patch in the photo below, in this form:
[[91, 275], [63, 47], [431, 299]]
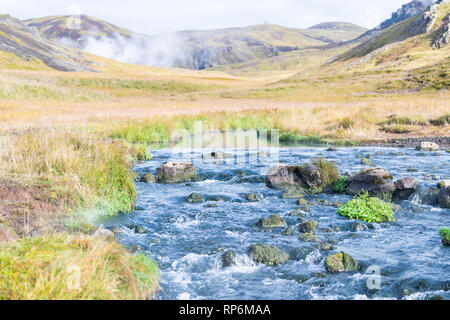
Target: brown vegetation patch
[[24, 212]]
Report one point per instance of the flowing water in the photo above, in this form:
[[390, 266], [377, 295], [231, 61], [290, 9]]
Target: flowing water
[[188, 240]]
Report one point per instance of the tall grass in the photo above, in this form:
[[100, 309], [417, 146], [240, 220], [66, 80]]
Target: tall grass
[[73, 268], [76, 169]]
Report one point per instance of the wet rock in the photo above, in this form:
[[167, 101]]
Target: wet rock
[[269, 255], [103, 233], [341, 262], [251, 179], [297, 212], [367, 162], [252, 197], [428, 146], [211, 205], [444, 197], [299, 178], [425, 196], [325, 246], [306, 237], [288, 232], [137, 228], [148, 178], [215, 155], [332, 149], [173, 172], [302, 202], [338, 204], [358, 226], [377, 182], [196, 198], [228, 259], [305, 207], [305, 254], [218, 198], [412, 170], [405, 187], [326, 230], [273, 221], [308, 227], [322, 202]]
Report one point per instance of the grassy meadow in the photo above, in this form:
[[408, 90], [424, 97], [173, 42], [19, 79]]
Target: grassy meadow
[[69, 140]]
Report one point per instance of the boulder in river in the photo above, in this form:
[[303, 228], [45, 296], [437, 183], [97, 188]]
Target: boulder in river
[[428, 146], [284, 177], [405, 187], [270, 255], [308, 227], [228, 259], [196, 198], [175, 172], [426, 196], [251, 197], [341, 262], [377, 182], [444, 197], [148, 178], [305, 254], [273, 221]]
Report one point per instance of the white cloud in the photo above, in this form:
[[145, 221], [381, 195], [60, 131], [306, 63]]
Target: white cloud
[[156, 16]]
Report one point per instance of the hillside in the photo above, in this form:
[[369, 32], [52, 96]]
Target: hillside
[[432, 25], [22, 46], [191, 49]]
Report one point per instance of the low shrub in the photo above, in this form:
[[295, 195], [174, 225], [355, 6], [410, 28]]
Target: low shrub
[[340, 185], [368, 209]]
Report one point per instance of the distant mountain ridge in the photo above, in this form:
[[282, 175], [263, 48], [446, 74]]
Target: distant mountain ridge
[[191, 49], [24, 43]]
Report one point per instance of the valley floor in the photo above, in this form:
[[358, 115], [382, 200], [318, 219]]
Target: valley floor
[[68, 141]]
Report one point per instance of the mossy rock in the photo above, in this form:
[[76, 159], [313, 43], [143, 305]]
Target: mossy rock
[[251, 197], [308, 227], [196, 198], [269, 255], [148, 178], [341, 262], [228, 259], [302, 202], [307, 237], [273, 221], [172, 173]]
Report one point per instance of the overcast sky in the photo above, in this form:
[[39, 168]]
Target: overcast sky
[[157, 16]]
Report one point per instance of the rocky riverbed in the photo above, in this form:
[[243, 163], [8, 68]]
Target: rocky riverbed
[[224, 234]]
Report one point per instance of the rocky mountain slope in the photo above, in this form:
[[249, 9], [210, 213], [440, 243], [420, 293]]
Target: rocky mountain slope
[[22, 45], [191, 49], [431, 23]]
